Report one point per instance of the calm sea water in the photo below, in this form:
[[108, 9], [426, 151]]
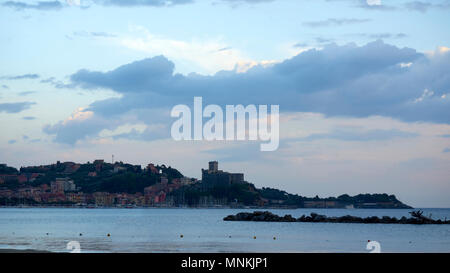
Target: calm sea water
[[203, 230]]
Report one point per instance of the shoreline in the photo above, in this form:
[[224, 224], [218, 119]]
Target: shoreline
[[13, 250], [200, 207]]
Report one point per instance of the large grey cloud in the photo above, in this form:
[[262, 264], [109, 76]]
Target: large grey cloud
[[349, 80]]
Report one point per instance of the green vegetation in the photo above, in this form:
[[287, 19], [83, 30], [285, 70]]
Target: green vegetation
[[287, 198], [126, 178], [7, 170]]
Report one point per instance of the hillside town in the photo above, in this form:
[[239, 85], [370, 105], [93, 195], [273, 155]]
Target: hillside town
[[118, 184], [24, 187]]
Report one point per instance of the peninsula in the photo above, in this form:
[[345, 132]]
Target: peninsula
[[119, 184]]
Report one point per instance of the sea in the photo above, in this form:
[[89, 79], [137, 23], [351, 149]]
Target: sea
[[203, 230]]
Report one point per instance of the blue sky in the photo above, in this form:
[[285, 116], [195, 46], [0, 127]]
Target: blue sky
[[363, 87]]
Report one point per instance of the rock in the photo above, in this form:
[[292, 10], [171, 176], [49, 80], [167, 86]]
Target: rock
[[230, 218], [288, 218], [267, 216], [317, 217]]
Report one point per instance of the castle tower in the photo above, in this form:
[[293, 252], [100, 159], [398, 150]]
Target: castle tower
[[213, 166]]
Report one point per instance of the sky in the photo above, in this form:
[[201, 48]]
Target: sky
[[363, 88]]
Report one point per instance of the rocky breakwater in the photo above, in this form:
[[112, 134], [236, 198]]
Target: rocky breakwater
[[416, 218]]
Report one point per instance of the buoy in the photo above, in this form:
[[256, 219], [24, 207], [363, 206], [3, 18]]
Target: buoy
[[254, 237], [274, 238], [108, 235], [81, 234], [368, 240], [181, 235], [229, 236], [47, 233]]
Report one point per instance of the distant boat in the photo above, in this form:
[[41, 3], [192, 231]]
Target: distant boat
[[349, 206]]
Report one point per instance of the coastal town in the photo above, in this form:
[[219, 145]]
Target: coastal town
[[118, 184], [63, 189]]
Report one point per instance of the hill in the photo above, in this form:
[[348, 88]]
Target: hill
[[107, 184]]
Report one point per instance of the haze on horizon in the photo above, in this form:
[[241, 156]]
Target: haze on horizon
[[363, 88]]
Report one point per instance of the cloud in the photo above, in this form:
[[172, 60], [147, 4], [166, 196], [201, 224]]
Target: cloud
[[12, 141], [349, 80], [322, 40], [58, 5], [15, 107], [384, 35], [375, 5], [446, 150], [140, 76], [357, 135], [93, 34], [236, 3], [21, 77], [236, 152], [225, 48], [134, 3], [29, 118], [300, 45], [40, 5], [197, 54], [4, 86], [335, 22], [249, 1], [157, 131], [25, 93], [422, 6], [81, 124], [373, 2], [418, 6]]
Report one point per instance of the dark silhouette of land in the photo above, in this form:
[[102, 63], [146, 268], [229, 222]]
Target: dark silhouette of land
[[126, 185], [266, 216]]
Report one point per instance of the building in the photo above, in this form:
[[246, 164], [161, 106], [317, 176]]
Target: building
[[213, 166], [103, 198], [98, 165], [323, 204], [9, 177], [152, 169], [118, 169], [57, 186], [61, 185], [213, 177], [164, 180], [184, 181]]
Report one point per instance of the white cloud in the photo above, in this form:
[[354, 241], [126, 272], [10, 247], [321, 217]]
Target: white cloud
[[374, 2], [78, 115], [426, 94], [200, 55]]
